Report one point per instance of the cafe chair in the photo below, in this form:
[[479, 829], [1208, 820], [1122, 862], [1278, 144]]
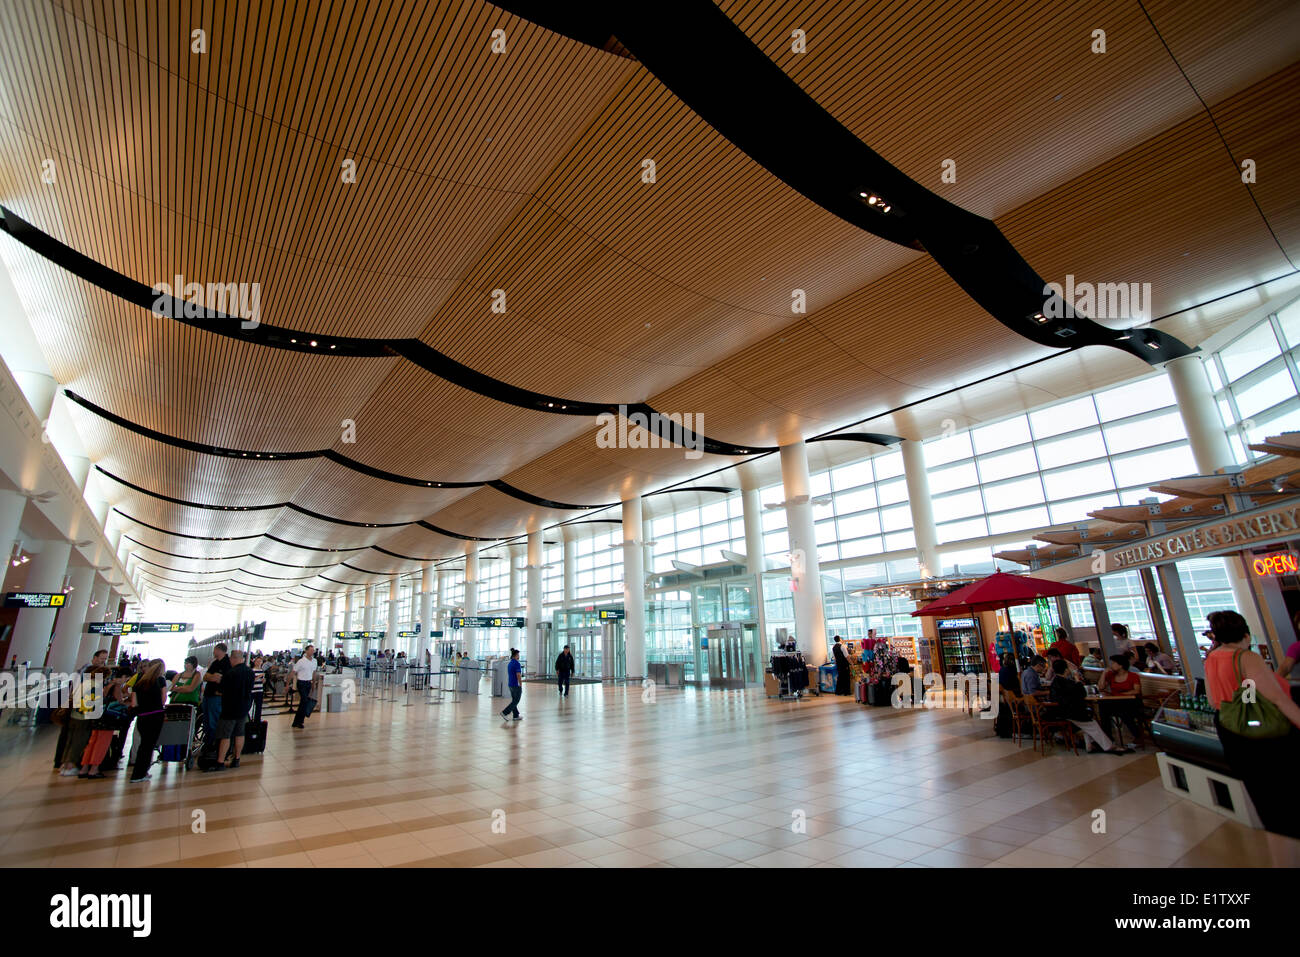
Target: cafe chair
[[1016, 711], [1046, 726]]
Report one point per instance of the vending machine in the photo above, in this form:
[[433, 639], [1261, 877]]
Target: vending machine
[[961, 647]]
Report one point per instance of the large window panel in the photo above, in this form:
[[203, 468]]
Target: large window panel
[[957, 505], [952, 477], [1264, 392], [1250, 351], [855, 526], [896, 517], [892, 491], [888, 465], [1020, 519], [1149, 468], [952, 448], [958, 531], [1016, 493], [1076, 510], [1071, 449], [1289, 319], [1145, 395], [852, 475], [1001, 435], [1063, 417], [1139, 433], [1004, 465], [1067, 483]]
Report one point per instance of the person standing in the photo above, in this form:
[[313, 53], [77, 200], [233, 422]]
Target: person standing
[[1260, 763], [516, 687], [1066, 648], [212, 689], [841, 668], [236, 696], [147, 703], [303, 670], [563, 671], [259, 688]]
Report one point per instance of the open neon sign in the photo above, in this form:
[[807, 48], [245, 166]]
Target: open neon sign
[[1283, 563]]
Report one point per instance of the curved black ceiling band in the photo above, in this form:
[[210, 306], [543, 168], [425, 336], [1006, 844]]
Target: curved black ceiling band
[[193, 558], [408, 558], [193, 571], [464, 538], [236, 538], [201, 538], [531, 499], [757, 109], [413, 350], [871, 438], [694, 488]]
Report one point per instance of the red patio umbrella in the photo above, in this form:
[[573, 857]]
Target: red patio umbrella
[[999, 590]]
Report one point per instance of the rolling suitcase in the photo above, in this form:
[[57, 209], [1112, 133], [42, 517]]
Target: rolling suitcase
[[254, 737]]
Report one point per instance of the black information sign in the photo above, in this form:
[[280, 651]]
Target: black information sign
[[35, 599], [360, 634], [483, 622], [611, 614], [138, 627], [408, 634]]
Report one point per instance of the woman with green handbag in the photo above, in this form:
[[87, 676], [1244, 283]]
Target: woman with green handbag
[[1258, 723], [188, 686]]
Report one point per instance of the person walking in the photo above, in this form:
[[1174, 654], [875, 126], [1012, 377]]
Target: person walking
[[841, 668], [563, 670], [516, 687], [303, 670]]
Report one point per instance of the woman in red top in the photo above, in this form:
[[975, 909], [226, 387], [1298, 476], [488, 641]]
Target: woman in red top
[[1260, 763], [1118, 681]]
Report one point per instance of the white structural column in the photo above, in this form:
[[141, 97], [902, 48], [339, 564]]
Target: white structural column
[[11, 519], [95, 611], [368, 610], [534, 598], [516, 573], [1210, 450], [471, 597], [426, 608], [918, 501], [440, 601], [347, 611], [392, 641], [330, 627], [570, 563], [633, 589], [31, 637], [72, 620], [805, 572], [755, 560]]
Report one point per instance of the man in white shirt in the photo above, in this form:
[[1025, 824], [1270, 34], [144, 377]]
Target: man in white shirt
[[303, 669]]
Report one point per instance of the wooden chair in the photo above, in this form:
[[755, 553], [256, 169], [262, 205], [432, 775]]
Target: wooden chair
[[1045, 726], [1016, 712]]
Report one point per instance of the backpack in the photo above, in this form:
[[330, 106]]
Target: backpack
[[1259, 719]]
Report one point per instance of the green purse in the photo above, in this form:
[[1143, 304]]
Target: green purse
[[1260, 719]]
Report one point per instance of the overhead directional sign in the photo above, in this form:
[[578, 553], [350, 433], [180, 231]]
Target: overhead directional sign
[[483, 622], [611, 614], [35, 599], [360, 634], [138, 627], [408, 634]]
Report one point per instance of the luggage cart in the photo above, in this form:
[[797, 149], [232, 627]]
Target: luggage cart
[[181, 737]]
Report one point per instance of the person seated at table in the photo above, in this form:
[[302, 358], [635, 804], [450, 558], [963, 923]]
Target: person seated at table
[[1009, 674], [1065, 647], [1119, 681], [1159, 662], [1093, 659], [1071, 668], [1032, 678], [1068, 697]]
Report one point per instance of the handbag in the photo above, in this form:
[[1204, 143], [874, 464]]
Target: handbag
[[1260, 719]]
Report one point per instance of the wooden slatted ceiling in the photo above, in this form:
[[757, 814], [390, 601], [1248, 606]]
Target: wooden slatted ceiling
[[746, 292], [901, 74], [1174, 508]]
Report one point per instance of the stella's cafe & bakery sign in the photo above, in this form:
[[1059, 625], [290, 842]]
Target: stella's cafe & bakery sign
[[1238, 531]]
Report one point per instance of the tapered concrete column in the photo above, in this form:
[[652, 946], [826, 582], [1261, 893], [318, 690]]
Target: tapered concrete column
[[99, 508], [918, 500], [95, 611], [78, 467], [31, 637], [535, 604], [633, 589], [755, 560], [426, 608], [390, 632], [330, 626], [440, 601], [1209, 444], [805, 573], [471, 597], [40, 390], [72, 619], [347, 612], [11, 518]]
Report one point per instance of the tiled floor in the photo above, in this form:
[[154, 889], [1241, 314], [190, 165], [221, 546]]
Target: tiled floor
[[605, 779]]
